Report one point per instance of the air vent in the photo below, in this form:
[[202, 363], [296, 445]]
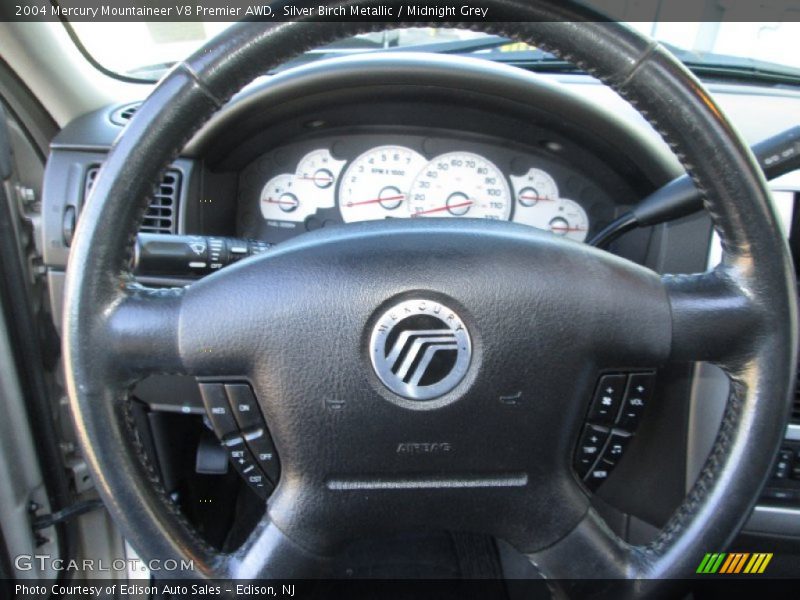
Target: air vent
[[794, 417], [91, 175], [123, 114], [162, 213]]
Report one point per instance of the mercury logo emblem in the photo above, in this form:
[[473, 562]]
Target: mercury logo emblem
[[420, 349]]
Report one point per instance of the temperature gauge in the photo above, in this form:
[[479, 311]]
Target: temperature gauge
[[317, 174], [292, 197], [534, 188], [537, 203]]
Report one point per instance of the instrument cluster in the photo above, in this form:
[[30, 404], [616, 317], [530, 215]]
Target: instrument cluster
[[398, 181]]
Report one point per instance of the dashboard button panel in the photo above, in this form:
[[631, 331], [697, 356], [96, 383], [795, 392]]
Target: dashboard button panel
[[218, 409], [783, 485], [614, 413], [590, 445], [243, 406], [233, 411], [597, 475], [607, 399], [617, 444], [242, 460], [637, 395], [260, 443]]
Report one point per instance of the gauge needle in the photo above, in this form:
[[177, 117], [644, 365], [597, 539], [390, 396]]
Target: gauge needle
[[536, 198], [567, 229], [443, 208], [376, 200], [317, 178], [287, 202]]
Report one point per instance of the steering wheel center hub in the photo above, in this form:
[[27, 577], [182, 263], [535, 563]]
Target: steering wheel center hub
[[420, 349]]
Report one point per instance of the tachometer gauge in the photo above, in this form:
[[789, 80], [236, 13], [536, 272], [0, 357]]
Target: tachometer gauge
[[375, 185], [460, 184], [570, 220], [317, 174], [280, 200]]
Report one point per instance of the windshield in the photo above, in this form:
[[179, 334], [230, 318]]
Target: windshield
[[146, 50]]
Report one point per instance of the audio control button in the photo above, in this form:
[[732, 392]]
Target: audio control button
[[638, 393], [607, 398], [590, 445]]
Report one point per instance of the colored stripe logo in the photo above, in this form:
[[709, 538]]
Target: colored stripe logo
[[734, 563]]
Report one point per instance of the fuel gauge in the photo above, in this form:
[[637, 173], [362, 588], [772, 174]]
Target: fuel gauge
[[280, 200], [570, 220]]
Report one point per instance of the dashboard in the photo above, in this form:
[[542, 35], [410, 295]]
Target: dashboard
[[350, 146], [367, 177]]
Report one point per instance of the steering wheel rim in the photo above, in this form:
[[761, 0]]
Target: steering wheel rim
[[116, 332]]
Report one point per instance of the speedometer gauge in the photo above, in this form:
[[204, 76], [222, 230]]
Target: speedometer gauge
[[460, 184], [375, 185]]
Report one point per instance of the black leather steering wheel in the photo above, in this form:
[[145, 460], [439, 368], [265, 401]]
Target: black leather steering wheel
[[296, 323]]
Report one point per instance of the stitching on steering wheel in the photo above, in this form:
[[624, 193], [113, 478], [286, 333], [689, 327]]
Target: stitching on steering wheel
[[732, 414], [711, 469], [733, 409], [155, 480]]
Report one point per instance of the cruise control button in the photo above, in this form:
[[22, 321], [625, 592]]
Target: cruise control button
[[217, 408], [638, 393], [260, 444], [243, 462], [607, 398], [244, 405], [590, 444], [260, 484]]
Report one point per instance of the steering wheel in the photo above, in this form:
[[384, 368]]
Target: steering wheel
[[538, 316]]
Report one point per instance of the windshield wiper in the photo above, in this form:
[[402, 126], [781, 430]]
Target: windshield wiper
[[488, 47], [478, 44], [735, 67], [151, 72]]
